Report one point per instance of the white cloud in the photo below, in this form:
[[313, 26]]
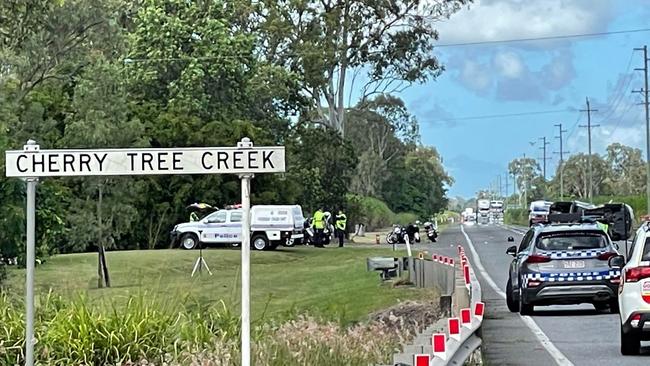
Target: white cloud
[[489, 20], [509, 64], [474, 77]]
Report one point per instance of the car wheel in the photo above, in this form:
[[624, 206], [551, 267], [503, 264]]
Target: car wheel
[[513, 306], [260, 242], [524, 308], [390, 239], [189, 241], [613, 306], [630, 342]]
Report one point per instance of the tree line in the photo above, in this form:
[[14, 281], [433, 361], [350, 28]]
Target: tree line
[[620, 171], [319, 77]]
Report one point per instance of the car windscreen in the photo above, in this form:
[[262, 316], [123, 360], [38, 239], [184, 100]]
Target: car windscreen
[[540, 208], [572, 241]]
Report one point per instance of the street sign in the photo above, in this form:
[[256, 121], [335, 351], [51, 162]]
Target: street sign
[[107, 162], [244, 160]]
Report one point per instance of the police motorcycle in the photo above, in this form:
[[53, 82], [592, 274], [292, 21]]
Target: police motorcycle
[[413, 232], [432, 232], [397, 235], [310, 233], [328, 231]]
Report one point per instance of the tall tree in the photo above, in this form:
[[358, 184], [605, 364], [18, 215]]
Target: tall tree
[[381, 129], [576, 175], [627, 174], [381, 46]]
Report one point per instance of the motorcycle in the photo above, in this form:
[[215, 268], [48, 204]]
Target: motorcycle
[[432, 232], [309, 234], [397, 235], [413, 232]]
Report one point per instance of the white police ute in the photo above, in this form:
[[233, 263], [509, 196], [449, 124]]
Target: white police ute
[[271, 226]]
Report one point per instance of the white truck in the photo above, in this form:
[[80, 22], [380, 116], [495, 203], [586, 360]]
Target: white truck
[[483, 211], [271, 226], [496, 209]]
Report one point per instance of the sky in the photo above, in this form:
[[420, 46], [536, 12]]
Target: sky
[[551, 76]]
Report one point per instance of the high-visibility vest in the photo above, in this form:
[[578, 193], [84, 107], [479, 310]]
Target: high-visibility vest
[[341, 221], [319, 220], [603, 227]]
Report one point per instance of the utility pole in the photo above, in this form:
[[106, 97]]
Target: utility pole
[[561, 164], [544, 158], [589, 126], [647, 121], [499, 185]]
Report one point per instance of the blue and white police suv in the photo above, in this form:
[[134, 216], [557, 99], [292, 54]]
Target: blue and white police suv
[[563, 263], [634, 292]]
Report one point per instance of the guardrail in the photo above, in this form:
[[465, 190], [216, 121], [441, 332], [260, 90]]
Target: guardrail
[[453, 340]]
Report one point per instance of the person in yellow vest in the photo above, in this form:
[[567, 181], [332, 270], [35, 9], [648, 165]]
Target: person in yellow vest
[[604, 227], [340, 223], [194, 217], [319, 226]]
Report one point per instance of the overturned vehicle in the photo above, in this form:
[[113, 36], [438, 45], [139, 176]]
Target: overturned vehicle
[[619, 217]]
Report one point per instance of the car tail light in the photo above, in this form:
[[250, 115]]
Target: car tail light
[[533, 283], [636, 274], [605, 256], [536, 258], [634, 320]]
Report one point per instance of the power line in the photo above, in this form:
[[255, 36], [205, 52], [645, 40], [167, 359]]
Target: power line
[[130, 60], [488, 116], [532, 39]]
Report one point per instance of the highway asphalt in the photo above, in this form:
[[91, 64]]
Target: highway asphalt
[[562, 335]]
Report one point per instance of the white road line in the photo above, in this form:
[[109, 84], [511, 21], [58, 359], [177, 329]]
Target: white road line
[[557, 355]]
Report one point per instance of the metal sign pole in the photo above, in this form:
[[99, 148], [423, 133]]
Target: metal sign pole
[[245, 143], [30, 261]]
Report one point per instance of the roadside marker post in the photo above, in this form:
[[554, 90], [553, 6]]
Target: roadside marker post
[[421, 360], [438, 341], [243, 160], [454, 328], [466, 317], [479, 310]]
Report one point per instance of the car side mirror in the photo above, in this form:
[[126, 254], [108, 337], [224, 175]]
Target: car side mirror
[[205, 221], [512, 250], [617, 261], [511, 239]]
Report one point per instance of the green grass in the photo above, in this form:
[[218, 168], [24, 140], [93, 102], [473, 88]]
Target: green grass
[[331, 283]]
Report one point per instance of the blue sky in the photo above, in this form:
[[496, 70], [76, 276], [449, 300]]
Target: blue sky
[[526, 77]]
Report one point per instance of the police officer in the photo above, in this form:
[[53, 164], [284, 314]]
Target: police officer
[[318, 221], [194, 217], [341, 223]]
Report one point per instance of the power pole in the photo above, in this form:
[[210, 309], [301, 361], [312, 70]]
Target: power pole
[[544, 158], [499, 185], [506, 200], [647, 121], [561, 164], [589, 126]]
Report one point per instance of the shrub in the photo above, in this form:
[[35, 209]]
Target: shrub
[[516, 216], [404, 218], [369, 211]]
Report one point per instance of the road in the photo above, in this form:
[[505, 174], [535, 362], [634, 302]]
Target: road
[[562, 335]]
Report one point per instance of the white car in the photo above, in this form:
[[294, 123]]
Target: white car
[[634, 292], [271, 226]]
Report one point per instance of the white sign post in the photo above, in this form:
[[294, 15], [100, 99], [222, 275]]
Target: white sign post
[[243, 160]]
